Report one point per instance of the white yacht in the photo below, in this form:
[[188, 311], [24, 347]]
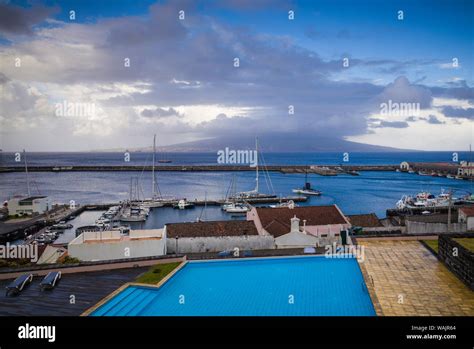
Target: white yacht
[[183, 204], [235, 208]]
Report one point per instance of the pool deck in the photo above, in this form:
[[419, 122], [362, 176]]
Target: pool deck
[[87, 288], [405, 279]]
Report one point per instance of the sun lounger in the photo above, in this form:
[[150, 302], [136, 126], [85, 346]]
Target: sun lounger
[[50, 280], [17, 285], [224, 253]]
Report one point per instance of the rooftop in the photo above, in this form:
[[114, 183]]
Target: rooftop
[[468, 211], [88, 288], [277, 221], [210, 229], [369, 220], [31, 198], [108, 236]]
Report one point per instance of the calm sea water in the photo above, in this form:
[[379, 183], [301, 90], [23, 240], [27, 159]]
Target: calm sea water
[[369, 192]]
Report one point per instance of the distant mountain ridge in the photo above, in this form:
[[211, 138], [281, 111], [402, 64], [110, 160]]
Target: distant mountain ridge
[[283, 142]]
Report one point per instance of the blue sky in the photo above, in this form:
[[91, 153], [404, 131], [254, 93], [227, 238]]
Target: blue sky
[[182, 80]]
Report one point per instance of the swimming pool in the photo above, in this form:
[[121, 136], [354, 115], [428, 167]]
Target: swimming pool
[[293, 286]]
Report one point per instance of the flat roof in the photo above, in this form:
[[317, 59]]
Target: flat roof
[[30, 198]]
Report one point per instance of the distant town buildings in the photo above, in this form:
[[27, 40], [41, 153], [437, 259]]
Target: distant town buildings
[[20, 205], [466, 169], [462, 169]]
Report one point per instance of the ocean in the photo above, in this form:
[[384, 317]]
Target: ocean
[[369, 192]]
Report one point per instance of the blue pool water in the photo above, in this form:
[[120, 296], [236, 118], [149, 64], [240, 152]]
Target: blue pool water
[[295, 286]]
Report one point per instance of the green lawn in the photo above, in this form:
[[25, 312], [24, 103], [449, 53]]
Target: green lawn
[[433, 244], [466, 242], [157, 273]]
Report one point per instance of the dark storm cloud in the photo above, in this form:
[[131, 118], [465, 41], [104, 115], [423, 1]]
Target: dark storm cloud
[[432, 119], [401, 91], [458, 89], [392, 124], [461, 113], [188, 63], [19, 20]]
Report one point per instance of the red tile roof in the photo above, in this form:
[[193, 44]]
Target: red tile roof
[[468, 211], [211, 229], [369, 220], [277, 221]]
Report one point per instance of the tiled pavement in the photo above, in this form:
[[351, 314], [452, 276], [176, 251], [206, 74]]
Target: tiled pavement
[[408, 280]]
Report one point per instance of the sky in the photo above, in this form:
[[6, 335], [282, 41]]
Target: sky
[[387, 73]]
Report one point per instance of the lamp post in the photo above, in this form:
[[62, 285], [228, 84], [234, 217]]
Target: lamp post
[[176, 246]]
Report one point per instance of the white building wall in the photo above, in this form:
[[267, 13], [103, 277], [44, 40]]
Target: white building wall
[[470, 223], [296, 240], [221, 243], [110, 250], [40, 206]]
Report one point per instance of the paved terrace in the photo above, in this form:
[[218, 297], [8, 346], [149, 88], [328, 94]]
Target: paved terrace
[[407, 268]]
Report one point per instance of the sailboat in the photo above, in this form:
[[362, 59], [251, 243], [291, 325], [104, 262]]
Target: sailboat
[[232, 204], [307, 190], [156, 199], [254, 194], [132, 211]]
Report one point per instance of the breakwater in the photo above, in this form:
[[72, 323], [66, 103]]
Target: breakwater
[[320, 169]]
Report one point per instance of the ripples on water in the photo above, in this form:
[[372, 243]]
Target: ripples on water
[[369, 192]]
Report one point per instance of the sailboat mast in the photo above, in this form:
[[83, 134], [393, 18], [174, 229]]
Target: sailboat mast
[[26, 172], [256, 151], [153, 169]]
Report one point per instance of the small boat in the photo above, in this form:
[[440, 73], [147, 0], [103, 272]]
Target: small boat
[[50, 280], [41, 239], [450, 176], [183, 204], [102, 221], [61, 226], [421, 173], [289, 204], [458, 177], [411, 171], [132, 218], [153, 203], [307, 190], [17, 285], [236, 208]]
